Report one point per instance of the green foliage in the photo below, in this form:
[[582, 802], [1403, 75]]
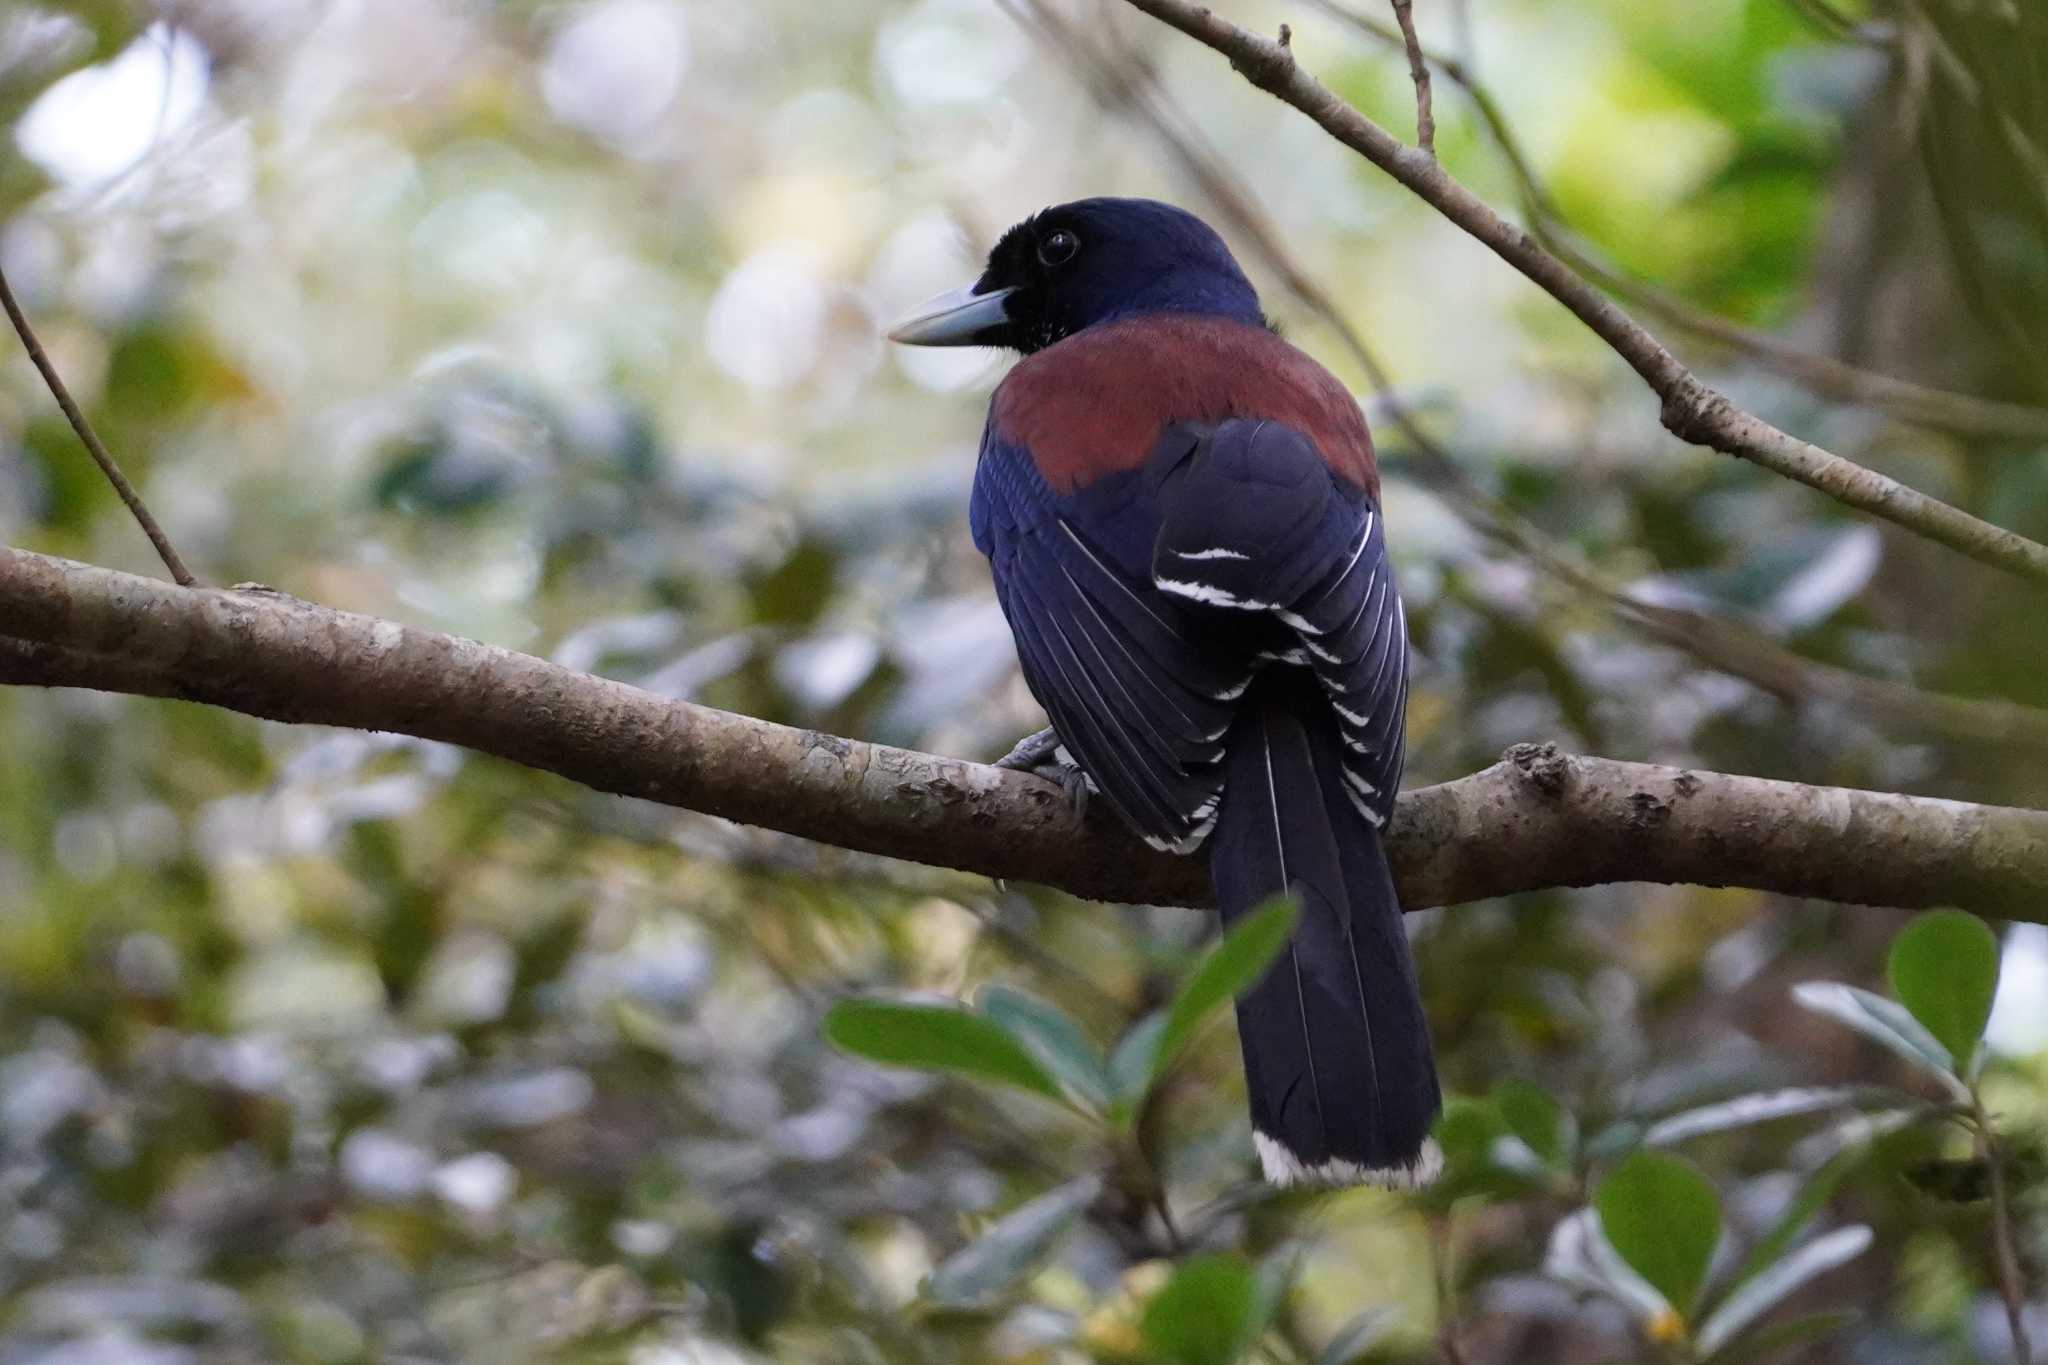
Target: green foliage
[[1053, 1038], [1660, 1213], [1017, 1243], [1944, 969], [1231, 968], [936, 1038], [319, 1046], [1208, 1313]]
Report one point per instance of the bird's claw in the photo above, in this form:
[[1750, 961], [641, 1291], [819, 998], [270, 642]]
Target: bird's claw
[[1038, 755], [1031, 752]]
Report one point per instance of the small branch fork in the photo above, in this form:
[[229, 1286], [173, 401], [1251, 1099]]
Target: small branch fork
[[100, 455], [1690, 409]]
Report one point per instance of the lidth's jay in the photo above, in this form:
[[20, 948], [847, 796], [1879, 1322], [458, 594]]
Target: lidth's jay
[[1183, 516]]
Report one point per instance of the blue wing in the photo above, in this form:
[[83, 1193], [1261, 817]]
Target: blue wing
[[1144, 604]]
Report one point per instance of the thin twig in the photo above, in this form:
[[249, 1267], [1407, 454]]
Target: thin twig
[[1688, 408], [1418, 71], [2003, 1257], [86, 434], [1921, 404]]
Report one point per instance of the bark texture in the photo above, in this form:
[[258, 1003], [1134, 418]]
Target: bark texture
[[1539, 818]]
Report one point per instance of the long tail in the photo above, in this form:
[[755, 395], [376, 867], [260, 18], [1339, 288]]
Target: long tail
[[1337, 1058]]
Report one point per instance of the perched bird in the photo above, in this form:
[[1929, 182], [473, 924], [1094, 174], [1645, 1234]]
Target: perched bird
[[1182, 514]]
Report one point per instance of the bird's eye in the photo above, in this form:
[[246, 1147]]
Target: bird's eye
[[1059, 247]]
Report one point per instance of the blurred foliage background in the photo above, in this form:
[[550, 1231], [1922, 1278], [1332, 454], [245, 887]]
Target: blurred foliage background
[[557, 325]]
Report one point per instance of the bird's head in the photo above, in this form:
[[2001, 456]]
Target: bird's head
[[1078, 264]]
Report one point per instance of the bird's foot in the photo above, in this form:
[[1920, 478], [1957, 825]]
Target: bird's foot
[[1041, 756], [1031, 752]]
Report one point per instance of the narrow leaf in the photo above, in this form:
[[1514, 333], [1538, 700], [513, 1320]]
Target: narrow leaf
[[1051, 1035], [1538, 1120], [1229, 969], [1764, 1291], [1357, 1336], [1016, 1244], [1132, 1065], [1746, 1110], [934, 1038], [1848, 1146], [1885, 1021], [1944, 969], [1664, 1219], [1206, 1315]]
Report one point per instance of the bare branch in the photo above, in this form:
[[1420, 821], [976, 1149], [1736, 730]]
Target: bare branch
[[86, 434], [1690, 409], [1537, 819], [1418, 71]]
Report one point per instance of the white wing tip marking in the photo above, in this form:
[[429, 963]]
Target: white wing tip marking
[[1208, 594], [1217, 553], [1285, 1169]]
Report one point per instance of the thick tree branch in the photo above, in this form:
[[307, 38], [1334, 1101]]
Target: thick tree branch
[[1537, 819], [1690, 409]]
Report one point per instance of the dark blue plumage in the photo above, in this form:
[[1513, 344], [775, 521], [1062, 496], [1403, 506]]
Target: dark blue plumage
[[1181, 512]]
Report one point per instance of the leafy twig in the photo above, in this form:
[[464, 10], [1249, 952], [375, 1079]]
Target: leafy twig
[[91, 439]]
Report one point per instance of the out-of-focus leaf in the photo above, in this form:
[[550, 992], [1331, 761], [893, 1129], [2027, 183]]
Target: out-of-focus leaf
[[1944, 968], [1053, 1037], [1885, 1021], [1356, 1337], [1812, 1197], [1208, 1313], [935, 1038], [1579, 1255], [1233, 966], [1780, 1336], [1016, 1244], [1957, 1180], [1664, 1219], [1746, 1110], [1132, 1065], [1538, 1120], [796, 591], [1762, 1292]]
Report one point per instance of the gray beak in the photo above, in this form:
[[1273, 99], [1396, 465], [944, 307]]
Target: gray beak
[[954, 318]]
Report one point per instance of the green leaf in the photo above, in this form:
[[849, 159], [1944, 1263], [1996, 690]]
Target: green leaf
[[1538, 1120], [1884, 1021], [1944, 968], [1016, 1244], [1663, 1218], [1208, 1313], [935, 1038], [1745, 1110], [1132, 1065], [1778, 1282], [1813, 1196], [1051, 1035], [1232, 967]]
